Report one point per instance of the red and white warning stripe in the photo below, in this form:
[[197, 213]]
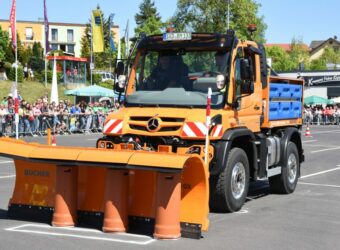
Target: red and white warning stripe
[[197, 129], [217, 131], [113, 126], [194, 129]]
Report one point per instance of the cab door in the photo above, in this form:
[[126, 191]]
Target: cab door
[[248, 93]]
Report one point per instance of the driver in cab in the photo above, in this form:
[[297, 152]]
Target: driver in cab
[[170, 72]]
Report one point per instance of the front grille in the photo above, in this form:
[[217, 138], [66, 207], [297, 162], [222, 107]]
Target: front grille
[[140, 118], [137, 127], [140, 123], [164, 119], [168, 129]]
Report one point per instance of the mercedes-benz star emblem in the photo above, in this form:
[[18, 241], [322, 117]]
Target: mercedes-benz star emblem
[[153, 124]]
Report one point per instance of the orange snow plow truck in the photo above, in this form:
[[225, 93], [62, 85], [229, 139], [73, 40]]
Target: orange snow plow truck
[[152, 172]]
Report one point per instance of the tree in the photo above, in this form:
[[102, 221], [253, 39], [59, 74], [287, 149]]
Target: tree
[[298, 54], [211, 16], [318, 64], [148, 20], [331, 57], [280, 59], [9, 56], [36, 61], [3, 44]]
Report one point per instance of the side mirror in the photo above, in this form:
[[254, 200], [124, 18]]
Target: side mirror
[[247, 88], [246, 70], [120, 84], [120, 67]]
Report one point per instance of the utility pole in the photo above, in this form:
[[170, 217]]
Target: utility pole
[[91, 59]]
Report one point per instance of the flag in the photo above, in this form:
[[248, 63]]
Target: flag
[[13, 20], [47, 45], [112, 43], [97, 31]]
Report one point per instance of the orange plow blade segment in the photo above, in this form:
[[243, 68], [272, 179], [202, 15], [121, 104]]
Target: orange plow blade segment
[[161, 194]]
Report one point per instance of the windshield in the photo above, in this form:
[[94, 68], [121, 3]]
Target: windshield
[[179, 78]]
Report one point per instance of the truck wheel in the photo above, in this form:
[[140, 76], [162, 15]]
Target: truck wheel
[[229, 188], [285, 183]]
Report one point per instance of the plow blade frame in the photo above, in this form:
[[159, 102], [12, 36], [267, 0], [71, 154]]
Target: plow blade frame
[[163, 194]]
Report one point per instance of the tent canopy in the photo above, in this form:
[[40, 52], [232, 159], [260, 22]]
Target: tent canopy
[[336, 100], [312, 100], [93, 90]]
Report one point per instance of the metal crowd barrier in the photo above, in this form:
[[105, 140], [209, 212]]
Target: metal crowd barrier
[[321, 119], [60, 124]]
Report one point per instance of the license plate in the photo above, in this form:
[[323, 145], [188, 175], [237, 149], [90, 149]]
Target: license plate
[[176, 36]]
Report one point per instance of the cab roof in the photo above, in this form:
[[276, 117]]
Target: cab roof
[[204, 41]]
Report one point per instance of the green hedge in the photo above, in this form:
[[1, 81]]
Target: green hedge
[[11, 75], [108, 84], [41, 76], [97, 78]]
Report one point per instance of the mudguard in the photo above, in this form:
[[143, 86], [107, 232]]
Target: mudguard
[[289, 134], [224, 147]]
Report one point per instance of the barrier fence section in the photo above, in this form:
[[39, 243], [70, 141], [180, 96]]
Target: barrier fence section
[[321, 119], [60, 124]]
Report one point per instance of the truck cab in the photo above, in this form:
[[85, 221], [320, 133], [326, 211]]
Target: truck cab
[[255, 118]]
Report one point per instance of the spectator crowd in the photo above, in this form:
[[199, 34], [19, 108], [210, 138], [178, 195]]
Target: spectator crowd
[[63, 117], [320, 115]]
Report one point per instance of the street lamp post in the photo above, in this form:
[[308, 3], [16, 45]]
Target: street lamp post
[[91, 56], [228, 15]]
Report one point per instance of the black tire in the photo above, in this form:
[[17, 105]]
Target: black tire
[[222, 198], [285, 183]]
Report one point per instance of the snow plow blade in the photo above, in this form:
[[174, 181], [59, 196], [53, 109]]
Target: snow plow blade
[[163, 194]]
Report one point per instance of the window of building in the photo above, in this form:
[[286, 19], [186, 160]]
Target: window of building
[[70, 35], [70, 49], [54, 47], [63, 47], [54, 34], [29, 33]]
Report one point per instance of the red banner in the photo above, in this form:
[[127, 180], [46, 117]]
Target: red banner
[[12, 20]]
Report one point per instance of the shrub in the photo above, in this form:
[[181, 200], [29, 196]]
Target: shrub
[[8, 67], [106, 84], [11, 75], [97, 78], [41, 76]]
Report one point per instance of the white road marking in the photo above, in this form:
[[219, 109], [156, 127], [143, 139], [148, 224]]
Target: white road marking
[[323, 150], [94, 139], [321, 145], [321, 185], [325, 132], [309, 141], [4, 162], [7, 176], [20, 229], [321, 172], [243, 211]]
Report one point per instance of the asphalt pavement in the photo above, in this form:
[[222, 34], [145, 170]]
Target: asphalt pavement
[[307, 219]]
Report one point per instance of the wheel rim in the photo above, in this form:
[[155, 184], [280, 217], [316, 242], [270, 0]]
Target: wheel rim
[[292, 168], [238, 180]]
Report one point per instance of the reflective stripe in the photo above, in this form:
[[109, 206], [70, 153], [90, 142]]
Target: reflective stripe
[[217, 131], [113, 126], [197, 129]]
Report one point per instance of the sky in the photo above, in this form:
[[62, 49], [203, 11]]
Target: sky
[[306, 20]]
